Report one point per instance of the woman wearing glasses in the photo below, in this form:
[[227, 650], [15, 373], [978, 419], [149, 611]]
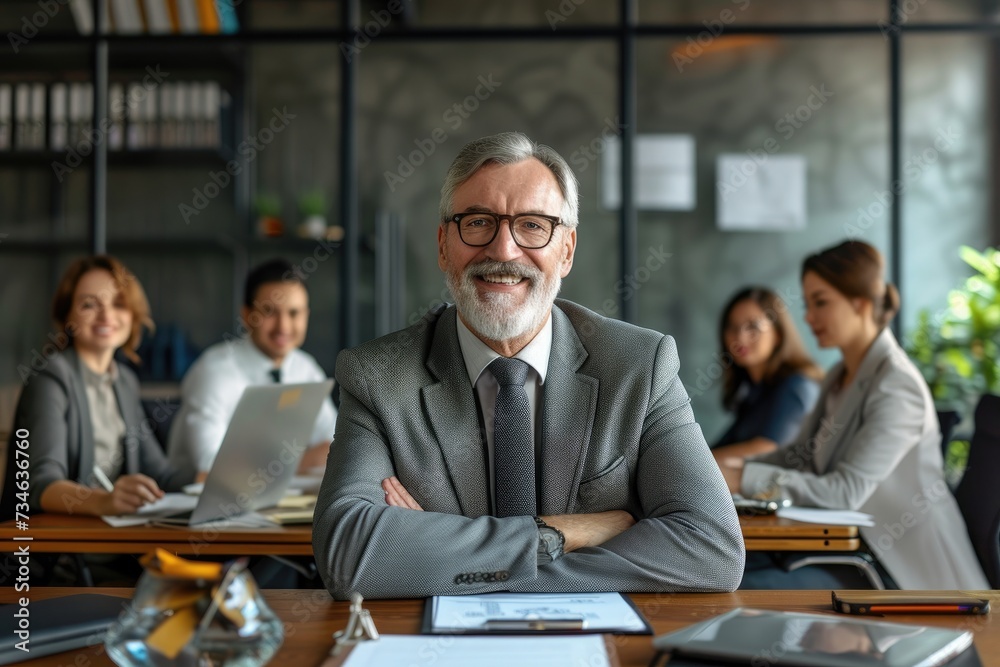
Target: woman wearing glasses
[[771, 383]]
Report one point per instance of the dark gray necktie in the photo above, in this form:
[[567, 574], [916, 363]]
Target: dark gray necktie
[[513, 444], [275, 374]]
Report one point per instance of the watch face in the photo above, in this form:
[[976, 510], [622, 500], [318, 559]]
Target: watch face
[[551, 541]]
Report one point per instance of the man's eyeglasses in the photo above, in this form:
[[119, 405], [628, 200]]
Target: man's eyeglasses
[[530, 230]]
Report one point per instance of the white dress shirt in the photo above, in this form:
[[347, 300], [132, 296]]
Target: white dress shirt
[[478, 355], [212, 388]]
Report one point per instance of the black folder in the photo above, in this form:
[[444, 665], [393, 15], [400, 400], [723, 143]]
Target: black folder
[[57, 624]]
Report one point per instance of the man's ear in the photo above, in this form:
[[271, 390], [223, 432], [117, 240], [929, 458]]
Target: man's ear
[[442, 239], [569, 249], [245, 316]]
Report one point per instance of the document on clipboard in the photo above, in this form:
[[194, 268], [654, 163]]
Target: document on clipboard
[[533, 613]]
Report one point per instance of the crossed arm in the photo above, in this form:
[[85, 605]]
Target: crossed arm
[[685, 536], [580, 530]]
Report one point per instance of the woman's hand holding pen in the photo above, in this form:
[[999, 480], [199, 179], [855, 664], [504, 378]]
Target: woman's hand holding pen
[[129, 493]]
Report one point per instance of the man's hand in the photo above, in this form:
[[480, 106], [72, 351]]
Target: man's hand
[[130, 493], [396, 495], [580, 530], [590, 530]]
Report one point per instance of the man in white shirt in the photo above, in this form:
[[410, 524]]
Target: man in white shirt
[[276, 315]]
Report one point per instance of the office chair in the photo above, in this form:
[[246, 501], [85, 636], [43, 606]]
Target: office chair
[[947, 421], [977, 495]]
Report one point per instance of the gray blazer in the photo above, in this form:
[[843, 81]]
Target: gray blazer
[[880, 453], [617, 433], [53, 408]]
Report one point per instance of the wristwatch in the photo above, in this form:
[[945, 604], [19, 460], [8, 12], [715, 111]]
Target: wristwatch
[[550, 542]]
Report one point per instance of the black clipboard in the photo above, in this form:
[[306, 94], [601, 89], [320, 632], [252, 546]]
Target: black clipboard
[[427, 625]]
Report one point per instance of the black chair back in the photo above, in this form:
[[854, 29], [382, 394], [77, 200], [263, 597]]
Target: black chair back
[[947, 420], [977, 493]]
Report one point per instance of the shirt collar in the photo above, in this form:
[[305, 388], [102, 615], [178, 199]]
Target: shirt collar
[[256, 361], [478, 355]]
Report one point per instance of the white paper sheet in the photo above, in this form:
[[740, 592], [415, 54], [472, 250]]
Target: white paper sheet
[[449, 651], [664, 172], [601, 612], [832, 517], [170, 503], [768, 194]]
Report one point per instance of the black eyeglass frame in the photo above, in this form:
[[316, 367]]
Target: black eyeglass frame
[[555, 220]]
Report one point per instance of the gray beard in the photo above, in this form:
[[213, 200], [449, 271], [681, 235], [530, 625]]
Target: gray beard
[[497, 317]]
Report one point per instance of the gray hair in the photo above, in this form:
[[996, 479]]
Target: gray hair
[[510, 148]]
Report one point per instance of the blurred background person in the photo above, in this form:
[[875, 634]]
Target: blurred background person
[[86, 426], [772, 383], [872, 443]]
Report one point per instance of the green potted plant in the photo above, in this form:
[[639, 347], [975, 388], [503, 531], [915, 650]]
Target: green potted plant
[[268, 208], [313, 207], [958, 349]]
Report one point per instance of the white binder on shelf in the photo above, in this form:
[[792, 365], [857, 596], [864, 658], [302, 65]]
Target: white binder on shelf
[[58, 129], [6, 113], [158, 17], [37, 116]]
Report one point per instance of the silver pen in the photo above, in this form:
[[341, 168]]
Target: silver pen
[[103, 479]]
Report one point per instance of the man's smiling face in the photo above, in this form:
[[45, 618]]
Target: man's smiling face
[[505, 292]]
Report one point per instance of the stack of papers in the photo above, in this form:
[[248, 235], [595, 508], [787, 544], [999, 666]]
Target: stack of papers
[[832, 517], [395, 650]]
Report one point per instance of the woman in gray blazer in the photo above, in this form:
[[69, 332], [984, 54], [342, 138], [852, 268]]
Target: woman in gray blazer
[[872, 443], [79, 418]]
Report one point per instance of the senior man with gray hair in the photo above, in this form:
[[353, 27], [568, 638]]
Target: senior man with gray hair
[[513, 441]]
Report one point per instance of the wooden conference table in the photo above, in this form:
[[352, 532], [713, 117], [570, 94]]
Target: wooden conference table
[[311, 617], [52, 533]]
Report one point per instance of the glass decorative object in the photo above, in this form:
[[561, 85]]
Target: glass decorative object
[[195, 614]]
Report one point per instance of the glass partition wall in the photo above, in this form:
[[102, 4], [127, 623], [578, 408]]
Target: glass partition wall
[[866, 119]]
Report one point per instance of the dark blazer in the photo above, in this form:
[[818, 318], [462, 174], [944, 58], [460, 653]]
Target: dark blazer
[[53, 409], [772, 410], [616, 433]]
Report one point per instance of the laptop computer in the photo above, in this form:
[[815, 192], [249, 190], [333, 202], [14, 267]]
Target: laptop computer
[[267, 436]]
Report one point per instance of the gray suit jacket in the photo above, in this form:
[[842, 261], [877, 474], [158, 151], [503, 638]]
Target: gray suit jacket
[[880, 453], [53, 408], [617, 433]]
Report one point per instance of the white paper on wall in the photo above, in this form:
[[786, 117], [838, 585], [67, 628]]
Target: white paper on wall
[[765, 193], [664, 172]]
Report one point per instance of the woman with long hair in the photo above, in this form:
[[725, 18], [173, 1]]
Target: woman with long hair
[[771, 383], [872, 443]]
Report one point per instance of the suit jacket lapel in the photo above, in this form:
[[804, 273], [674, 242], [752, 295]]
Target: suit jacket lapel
[[84, 456], [569, 403], [844, 423], [130, 443], [453, 414]]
